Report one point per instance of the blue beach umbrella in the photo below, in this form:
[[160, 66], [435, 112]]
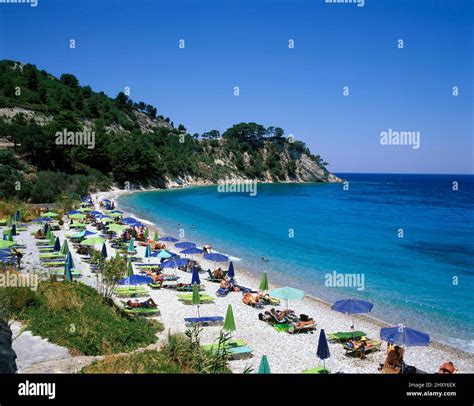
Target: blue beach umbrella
[[135, 280], [216, 257], [323, 348], [69, 260], [168, 239], [230, 271], [13, 229], [17, 215], [405, 336], [147, 251], [174, 263], [195, 277], [185, 245], [103, 252], [67, 272], [191, 251], [352, 306], [57, 245]]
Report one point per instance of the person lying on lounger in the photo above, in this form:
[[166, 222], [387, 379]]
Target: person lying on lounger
[[280, 315], [157, 278], [447, 368], [135, 304], [394, 359], [250, 299]]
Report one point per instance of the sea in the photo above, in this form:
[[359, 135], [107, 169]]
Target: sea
[[404, 242]]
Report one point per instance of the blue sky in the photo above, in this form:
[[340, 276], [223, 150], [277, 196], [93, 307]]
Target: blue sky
[[245, 44]]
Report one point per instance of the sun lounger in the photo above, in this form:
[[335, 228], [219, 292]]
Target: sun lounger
[[204, 321], [142, 311], [302, 327], [155, 285], [372, 345], [222, 292], [317, 370], [51, 255], [346, 335], [60, 272], [236, 349], [187, 298], [131, 292], [52, 264], [211, 276]]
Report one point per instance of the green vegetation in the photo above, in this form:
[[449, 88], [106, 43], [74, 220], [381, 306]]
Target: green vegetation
[[76, 316], [132, 143], [180, 354]]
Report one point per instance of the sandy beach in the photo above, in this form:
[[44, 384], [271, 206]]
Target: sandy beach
[[286, 353]]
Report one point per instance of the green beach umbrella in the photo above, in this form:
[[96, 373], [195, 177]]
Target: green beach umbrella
[[229, 322], [93, 241], [196, 296], [116, 228], [48, 233], [6, 244], [52, 239], [65, 248], [129, 269], [9, 220], [264, 282], [156, 237], [287, 293], [264, 367], [9, 235], [50, 214], [77, 216], [147, 233]]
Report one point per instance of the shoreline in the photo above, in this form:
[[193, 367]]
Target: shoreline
[[317, 305]]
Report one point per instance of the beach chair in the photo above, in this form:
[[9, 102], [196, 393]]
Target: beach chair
[[211, 277], [344, 336], [302, 327], [141, 311], [187, 298], [222, 292], [317, 370], [204, 321], [236, 349], [131, 291], [372, 346]]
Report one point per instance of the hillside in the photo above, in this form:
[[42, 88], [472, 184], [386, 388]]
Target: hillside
[[107, 141]]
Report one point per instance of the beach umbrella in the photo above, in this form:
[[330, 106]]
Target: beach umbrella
[[57, 245], [352, 306], [135, 280], [129, 269], [9, 220], [6, 244], [52, 239], [264, 282], [155, 236], [185, 245], [147, 233], [72, 212], [91, 241], [287, 293], [191, 251], [229, 322], [131, 246], [147, 251], [14, 229], [168, 239], [50, 214], [196, 296], [67, 272], [216, 257], [230, 271], [117, 228], [65, 248], [17, 215], [9, 235], [164, 254], [70, 261], [42, 219], [323, 348], [174, 263], [264, 367], [77, 216], [103, 252], [405, 336], [195, 277], [85, 209]]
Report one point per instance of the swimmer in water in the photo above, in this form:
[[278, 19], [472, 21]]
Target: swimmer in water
[[264, 259]]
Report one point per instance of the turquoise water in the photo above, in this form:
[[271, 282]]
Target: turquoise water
[[306, 231]]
